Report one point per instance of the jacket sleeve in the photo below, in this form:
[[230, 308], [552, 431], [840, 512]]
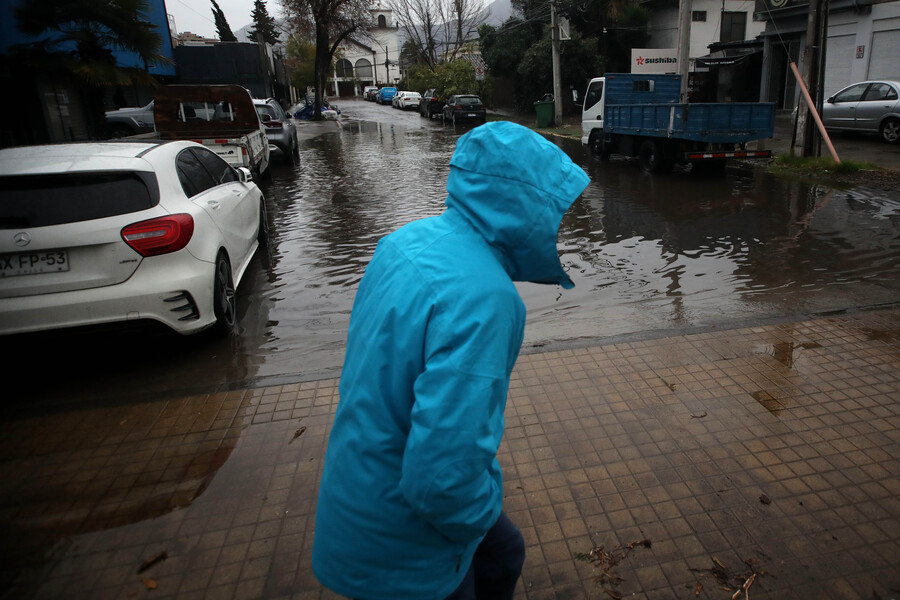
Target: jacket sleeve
[[450, 474]]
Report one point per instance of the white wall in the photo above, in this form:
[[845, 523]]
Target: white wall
[[663, 25]]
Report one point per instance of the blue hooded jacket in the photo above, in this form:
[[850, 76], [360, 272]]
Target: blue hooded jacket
[[411, 482]]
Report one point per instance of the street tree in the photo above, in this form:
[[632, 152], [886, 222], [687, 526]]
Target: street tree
[[419, 20], [327, 23], [438, 29], [75, 40], [222, 26], [461, 19], [263, 24]]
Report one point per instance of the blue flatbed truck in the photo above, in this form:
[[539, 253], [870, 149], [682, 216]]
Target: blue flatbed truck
[[638, 114]]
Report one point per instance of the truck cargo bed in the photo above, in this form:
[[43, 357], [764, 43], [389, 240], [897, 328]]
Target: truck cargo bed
[[725, 122]]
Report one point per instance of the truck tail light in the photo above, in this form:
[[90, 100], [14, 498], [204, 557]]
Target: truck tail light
[[159, 236]]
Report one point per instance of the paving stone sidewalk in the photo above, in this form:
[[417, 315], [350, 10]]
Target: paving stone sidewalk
[[680, 467]]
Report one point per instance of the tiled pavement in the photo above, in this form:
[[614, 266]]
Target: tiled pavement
[[771, 450]]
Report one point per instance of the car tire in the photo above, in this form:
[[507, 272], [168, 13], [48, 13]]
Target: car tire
[[224, 299], [890, 131], [262, 232]]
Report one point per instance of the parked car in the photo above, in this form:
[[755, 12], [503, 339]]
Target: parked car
[[464, 107], [281, 130], [110, 232], [868, 106], [395, 101], [430, 104], [385, 95], [369, 92], [305, 110], [129, 121], [409, 100]]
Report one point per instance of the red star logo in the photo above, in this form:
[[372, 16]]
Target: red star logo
[[640, 60]]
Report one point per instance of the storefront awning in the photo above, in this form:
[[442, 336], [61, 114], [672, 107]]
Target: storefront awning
[[726, 57]]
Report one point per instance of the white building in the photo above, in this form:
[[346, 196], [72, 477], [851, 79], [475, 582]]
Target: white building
[[371, 58], [711, 21]]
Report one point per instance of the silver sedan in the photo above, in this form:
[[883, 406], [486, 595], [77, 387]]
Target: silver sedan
[[868, 106]]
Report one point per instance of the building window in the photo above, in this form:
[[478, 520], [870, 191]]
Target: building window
[[343, 68], [363, 68], [698, 16], [734, 27], [382, 22]]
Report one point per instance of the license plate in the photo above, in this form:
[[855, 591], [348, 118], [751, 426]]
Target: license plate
[[32, 263], [470, 115]]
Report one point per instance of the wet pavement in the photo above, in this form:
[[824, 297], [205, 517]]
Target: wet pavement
[[694, 461], [723, 382]]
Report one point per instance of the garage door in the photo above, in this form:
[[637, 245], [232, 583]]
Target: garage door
[[885, 50], [839, 58]]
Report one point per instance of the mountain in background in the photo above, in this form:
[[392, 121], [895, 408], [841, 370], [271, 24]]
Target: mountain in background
[[497, 12]]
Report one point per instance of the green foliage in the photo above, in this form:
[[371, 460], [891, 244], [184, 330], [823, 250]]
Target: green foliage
[[222, 26], [301, 63], [263, 23], [504, 48], [524, 55], [457, 77], [820, 164]]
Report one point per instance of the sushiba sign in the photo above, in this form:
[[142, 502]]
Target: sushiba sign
[[654, 60]]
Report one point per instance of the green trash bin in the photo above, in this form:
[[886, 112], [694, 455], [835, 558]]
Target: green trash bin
[[544, 110]]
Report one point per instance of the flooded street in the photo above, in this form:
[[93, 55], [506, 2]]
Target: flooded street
[[649, 254], [140, 464]]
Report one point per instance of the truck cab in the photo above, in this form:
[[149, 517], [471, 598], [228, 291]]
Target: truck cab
[[592, 112]]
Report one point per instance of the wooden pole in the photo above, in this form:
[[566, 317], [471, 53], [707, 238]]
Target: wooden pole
[[815, 114]]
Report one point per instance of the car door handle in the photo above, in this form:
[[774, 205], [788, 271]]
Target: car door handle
[[214, 204]]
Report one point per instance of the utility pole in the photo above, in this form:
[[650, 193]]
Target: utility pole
[[557, 86], [803, 140], [685, 10]]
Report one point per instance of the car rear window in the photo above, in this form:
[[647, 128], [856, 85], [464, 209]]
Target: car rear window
[[469, 100], [43, 200]]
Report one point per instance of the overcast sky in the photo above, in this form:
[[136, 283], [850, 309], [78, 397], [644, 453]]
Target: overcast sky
[[196, 15]]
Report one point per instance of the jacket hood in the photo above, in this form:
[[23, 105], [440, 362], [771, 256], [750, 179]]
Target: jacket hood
[[513, 186]]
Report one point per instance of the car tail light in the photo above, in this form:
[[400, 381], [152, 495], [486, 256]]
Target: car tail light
[[274, 125], [160, 236]]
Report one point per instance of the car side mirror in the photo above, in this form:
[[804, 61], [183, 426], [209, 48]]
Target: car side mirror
[[244, 174], [830, 100]]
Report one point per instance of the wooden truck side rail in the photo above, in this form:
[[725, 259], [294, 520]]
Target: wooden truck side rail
[[204, 111]]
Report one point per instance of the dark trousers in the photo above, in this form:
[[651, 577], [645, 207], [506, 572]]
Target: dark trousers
[[496, 566]]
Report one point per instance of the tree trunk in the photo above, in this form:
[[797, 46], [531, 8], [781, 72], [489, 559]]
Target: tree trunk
[[323, 59]]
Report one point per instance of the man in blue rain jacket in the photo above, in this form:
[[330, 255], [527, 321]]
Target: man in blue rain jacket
[[411, 484]]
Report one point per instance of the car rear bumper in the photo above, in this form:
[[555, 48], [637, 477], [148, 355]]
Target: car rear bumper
[[170, 292]]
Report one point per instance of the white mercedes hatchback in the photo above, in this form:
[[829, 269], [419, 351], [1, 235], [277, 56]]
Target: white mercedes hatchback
[[95, 233]]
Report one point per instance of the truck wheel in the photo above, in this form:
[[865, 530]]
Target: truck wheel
[[890, 131], [652, 158], [598, 145]]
